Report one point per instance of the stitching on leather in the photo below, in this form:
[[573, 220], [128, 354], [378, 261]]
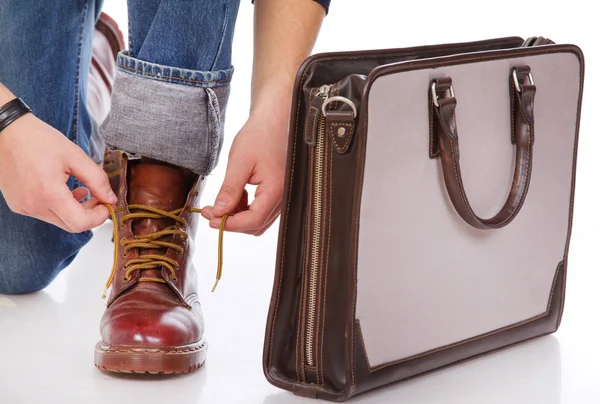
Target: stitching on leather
[[321, 279], [344, 147], [431, 155], [528, 170], [334, 104], [326, 261], [319, 283], [489, 334], [315, 119], [513, 133], [320, 315], [432, 133], [301, 337], [458, 180], [321, 261], [156, 351]]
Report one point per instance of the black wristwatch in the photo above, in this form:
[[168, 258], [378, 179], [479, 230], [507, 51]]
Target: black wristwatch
[[12, 111]]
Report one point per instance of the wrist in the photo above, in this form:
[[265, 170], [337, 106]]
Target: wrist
[[11, 112], [272, 104]]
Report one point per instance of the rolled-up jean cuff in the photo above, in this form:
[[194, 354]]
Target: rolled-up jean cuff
[[168, 114]]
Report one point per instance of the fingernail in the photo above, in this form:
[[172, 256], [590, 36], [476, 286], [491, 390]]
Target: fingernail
[[85, 197], [221, 202], [214, 225], [112, 197]]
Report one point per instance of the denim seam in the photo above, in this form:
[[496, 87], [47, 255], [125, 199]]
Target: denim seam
[[78, 68], [129, 32], [215, 125], [225, 26], [161, 76]]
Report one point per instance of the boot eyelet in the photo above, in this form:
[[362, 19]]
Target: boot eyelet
[[126, 278], [174, 278], [125, 255]]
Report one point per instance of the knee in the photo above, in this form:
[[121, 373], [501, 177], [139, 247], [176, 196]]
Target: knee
[[33, 254], [20, 283]]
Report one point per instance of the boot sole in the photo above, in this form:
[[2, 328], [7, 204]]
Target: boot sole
[[149, 360]]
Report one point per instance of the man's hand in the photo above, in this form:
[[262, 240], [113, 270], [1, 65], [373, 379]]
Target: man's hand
[[35, 163], [284, 34], [257, 157]]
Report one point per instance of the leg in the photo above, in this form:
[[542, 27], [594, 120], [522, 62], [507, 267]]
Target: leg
[[172, 86], [46, 48], [168, 104]]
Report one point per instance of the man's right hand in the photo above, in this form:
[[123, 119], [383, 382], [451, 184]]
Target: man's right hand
[[35, 163]]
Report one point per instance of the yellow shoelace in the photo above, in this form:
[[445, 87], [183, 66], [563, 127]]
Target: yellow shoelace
[[152, 241]]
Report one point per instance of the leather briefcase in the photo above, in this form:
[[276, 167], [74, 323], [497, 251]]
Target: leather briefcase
[[402, 250]]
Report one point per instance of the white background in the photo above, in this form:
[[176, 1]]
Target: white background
[[47, 339]]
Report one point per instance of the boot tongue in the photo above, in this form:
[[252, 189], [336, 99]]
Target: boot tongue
[[157, 185]]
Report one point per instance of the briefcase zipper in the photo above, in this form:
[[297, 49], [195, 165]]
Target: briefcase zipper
[[323, 93]]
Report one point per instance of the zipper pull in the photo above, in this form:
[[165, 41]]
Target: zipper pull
[[314, 112]]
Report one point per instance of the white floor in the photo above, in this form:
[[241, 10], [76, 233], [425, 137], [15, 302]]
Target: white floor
[[47, 339]]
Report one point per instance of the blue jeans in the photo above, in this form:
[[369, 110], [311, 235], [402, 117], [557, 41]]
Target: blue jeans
[[168, 102]]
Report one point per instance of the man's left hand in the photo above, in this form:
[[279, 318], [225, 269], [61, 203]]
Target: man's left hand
[[257, 157]]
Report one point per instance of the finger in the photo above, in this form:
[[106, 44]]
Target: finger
[[266, 202], [207, 211], [75, 215], [80, 193], [84, 168], [237, 176], [270, 222], [90, 203]]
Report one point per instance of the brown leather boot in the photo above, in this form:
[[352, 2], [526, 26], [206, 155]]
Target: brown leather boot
[[153, 322], [107, 43]]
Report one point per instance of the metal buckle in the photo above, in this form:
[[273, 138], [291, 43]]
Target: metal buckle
[[338, 98], [434, 95], [516, 80]]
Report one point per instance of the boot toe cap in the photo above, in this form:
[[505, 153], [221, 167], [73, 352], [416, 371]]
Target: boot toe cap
[[150, 322]]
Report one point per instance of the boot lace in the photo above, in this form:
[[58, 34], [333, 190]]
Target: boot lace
[[153, 241]]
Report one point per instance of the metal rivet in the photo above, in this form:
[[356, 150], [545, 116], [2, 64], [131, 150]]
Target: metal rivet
[[341, 132]]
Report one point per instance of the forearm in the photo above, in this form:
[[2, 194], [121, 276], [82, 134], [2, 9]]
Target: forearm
[[284, 35]]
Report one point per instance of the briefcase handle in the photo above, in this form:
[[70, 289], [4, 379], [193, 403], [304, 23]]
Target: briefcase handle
[[443, 102]]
